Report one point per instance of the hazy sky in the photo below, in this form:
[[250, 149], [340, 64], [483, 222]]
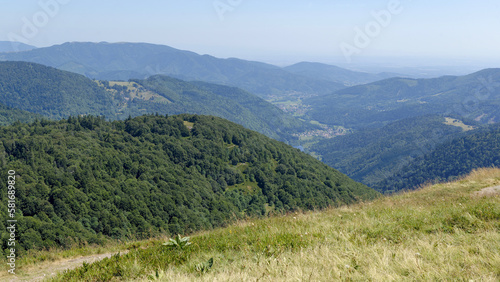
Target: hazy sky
[[341, 31]]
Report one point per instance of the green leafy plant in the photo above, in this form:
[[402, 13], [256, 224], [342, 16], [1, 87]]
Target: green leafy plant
[[178, 242], [205, 266], [159, 275]]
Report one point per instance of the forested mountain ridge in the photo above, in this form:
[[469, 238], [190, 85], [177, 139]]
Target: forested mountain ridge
[[85, 179], [372, 155], [449, 160], [58, 94], [123, 61], [474, 96]]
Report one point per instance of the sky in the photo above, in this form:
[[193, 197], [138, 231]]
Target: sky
[[342, 32]]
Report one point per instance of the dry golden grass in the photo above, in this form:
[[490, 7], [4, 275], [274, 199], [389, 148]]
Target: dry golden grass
[[137, 93], [403, 237]]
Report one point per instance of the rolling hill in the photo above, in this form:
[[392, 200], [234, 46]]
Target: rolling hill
[[123, 61], [85, 180], [475, 96], [58, 94]]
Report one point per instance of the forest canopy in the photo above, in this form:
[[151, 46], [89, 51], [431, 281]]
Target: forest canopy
[[85, 180]]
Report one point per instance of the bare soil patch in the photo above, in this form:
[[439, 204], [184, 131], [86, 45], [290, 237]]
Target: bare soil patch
[[487, 192], [41, 271]]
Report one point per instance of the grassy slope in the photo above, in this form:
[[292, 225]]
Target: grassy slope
[[437, 233], [440, 232]]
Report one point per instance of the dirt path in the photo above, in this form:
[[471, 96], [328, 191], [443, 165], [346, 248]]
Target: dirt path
[[44, 270]]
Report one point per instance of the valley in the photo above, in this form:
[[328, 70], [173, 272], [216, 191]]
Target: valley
[[310, 120]]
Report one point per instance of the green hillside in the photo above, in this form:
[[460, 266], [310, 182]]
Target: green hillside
[[123, 61], [50, 92], [475, 96], [58, 94], [227, 102], [372, 155], [450, 160], [84, 180], [10, 115]]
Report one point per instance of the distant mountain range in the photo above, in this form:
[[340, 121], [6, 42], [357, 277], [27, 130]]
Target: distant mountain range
[[8, 46], [337, 74], [58, 94], [475, 96], [123, 61]]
